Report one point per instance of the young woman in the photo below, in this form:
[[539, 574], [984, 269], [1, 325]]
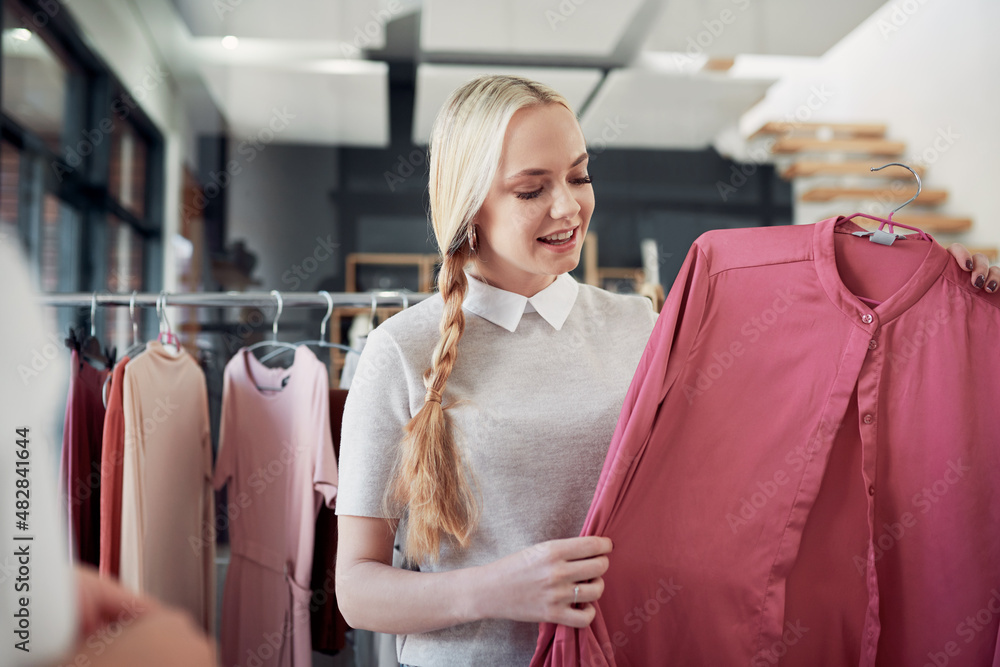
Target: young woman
[[478, 420]]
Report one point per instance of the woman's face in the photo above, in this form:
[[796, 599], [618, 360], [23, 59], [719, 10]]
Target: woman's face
[[531, 227]]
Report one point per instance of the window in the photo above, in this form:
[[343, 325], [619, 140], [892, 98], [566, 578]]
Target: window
[[36, 78], [127, 175], [80, 182]]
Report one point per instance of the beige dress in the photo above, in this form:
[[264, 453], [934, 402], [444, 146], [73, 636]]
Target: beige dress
[[168, 531]]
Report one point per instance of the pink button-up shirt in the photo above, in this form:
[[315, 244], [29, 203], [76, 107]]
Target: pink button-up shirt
[[799, 478]]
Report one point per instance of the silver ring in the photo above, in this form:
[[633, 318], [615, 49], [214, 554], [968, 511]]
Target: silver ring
[[576, 594]]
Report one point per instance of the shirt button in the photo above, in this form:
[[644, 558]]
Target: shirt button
[[869, 419], [871, 490], [872, 344], [867, 318]]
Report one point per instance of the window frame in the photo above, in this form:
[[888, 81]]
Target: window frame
[[87, 187]]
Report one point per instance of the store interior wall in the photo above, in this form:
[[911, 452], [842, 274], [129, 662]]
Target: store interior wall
[[923, 66], [292, 196], [289, 201], [114, 31], [279, 202]]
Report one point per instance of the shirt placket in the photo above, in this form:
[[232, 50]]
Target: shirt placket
[[868, 418]]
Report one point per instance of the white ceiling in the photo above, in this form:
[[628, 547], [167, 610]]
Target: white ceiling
[[526, 27], [640, 108], [435, 83], [329, 102], [634, 60], [764, 27], [294, 20]]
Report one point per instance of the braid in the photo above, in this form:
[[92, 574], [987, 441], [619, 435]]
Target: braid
[[430, 479]]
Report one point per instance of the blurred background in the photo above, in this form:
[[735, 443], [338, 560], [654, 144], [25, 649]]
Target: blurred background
[[257, 145], [201, 145]]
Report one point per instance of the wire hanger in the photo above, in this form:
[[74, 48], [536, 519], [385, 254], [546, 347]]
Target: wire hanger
[[881, 236], [322, 340], [166, 335], [137, 345], [274, 342], [274, 328], [90, 349], [133, 350]]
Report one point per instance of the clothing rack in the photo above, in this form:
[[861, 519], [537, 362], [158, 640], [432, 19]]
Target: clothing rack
[[234, 299]]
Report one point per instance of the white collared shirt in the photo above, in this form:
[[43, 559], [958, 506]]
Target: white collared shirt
[[505, 309]]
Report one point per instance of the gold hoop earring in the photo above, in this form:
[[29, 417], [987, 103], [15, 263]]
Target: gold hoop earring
[[473, 239]]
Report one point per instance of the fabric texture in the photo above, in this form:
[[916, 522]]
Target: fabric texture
[[80, 463], [328, 625], [112, 458], [532, 410], [797, 478], [276, 456], [167, 518]]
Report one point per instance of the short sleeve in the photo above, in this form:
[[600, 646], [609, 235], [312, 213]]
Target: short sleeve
[[377, 409], [325, 469], [225, 464]]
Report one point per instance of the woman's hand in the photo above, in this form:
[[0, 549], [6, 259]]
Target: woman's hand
[[118, 628], [983, 275], [537, 584]]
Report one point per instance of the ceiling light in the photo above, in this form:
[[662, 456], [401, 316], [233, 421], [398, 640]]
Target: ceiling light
[[230, 42], [22, 34]]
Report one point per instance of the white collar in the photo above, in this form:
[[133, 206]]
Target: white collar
[[505, 309]]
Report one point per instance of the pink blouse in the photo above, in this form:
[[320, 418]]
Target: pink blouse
[[797, 478]]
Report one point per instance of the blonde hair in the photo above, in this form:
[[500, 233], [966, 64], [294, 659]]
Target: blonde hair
[[466, 146]]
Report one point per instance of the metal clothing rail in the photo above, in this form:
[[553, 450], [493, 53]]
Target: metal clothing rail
[[234, 299]]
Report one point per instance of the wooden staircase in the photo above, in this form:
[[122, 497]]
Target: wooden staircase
[[829, 165]]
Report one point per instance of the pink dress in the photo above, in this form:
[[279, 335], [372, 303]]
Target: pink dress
[[276, 455], [797, 478]]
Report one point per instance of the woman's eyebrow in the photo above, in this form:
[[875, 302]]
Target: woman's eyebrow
[[541, 172]]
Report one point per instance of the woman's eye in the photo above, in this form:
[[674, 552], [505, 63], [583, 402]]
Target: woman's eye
[[529, 195], [581, 181]]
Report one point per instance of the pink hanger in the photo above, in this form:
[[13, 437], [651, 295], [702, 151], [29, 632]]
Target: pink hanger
[[888, 221]]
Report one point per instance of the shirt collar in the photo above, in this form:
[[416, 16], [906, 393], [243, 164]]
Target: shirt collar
[[505, 309]]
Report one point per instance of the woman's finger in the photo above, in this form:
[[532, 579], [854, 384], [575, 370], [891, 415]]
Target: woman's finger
[[102, 601], [993, 280], [962, 254], [577, 548], [585, 570], [577, 617], [585, 591], [982, 268]]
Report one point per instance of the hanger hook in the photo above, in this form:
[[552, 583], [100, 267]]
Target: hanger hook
[[161, 311], [371, 318], [915, 175], [329, 313], [131, 315], [281, 305], [93, 315], [406, 299]]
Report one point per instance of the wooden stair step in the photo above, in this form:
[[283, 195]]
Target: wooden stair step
[[847, 168], [887, 147], [859, 130], [928, 197], [935, 223], [991, 253]]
